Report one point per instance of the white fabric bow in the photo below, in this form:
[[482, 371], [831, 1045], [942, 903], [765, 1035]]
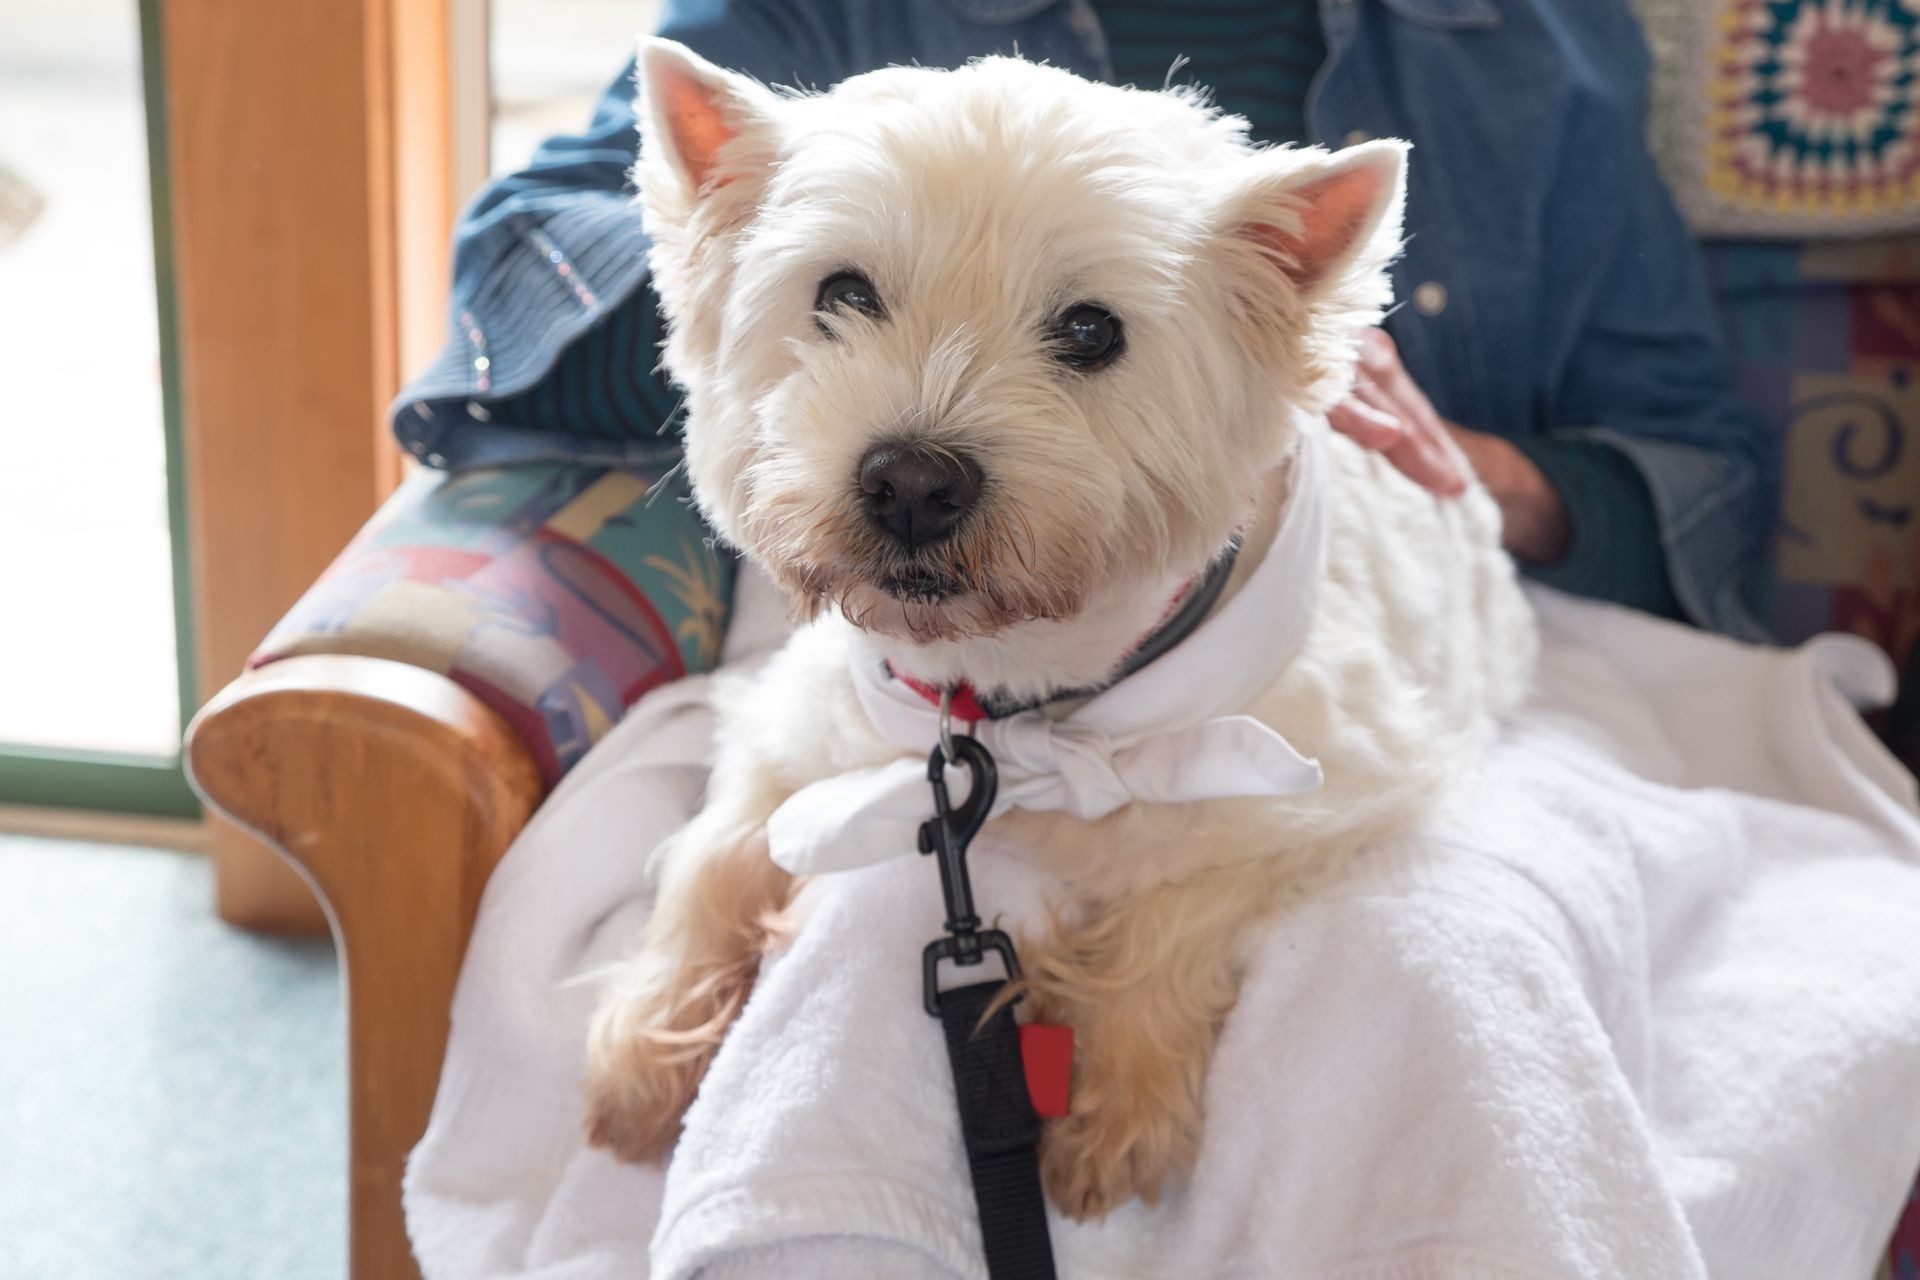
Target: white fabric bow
[[1168, 733]]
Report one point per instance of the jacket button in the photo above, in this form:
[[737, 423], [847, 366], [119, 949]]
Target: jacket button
[[1430, 299], [1355, 138]]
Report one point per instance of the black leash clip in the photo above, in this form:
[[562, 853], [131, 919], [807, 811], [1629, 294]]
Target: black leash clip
[[946, 835], [997, 1121]]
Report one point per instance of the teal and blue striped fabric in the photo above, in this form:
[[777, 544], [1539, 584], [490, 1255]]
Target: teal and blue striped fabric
[[1258, 56]]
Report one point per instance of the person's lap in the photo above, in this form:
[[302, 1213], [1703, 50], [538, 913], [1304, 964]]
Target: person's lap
[[571, 897]]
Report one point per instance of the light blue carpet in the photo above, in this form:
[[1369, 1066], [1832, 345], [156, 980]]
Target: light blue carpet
[[172, 1102]]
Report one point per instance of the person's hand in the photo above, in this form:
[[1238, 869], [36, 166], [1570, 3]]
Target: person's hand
[[1387, 412]]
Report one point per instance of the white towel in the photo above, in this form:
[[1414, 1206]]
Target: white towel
[[1611, 1014]]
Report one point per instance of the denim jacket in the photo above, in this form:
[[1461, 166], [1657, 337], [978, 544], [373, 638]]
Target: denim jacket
[[1550, 288]]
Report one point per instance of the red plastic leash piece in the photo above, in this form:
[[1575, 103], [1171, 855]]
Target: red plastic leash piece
[[1046, 1052]]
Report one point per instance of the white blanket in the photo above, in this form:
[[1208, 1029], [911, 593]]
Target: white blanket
[[1613, 1013]]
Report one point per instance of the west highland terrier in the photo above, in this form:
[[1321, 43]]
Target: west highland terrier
[[991, 369]]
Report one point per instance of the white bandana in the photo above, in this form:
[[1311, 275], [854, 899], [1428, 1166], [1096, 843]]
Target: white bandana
[[1169, 732]]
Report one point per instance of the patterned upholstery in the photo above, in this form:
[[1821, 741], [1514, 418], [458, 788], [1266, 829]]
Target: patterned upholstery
[[556, 593], [1826, 340]]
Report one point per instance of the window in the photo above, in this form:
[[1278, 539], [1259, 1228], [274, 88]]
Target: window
[[89, 649], [549, 62]]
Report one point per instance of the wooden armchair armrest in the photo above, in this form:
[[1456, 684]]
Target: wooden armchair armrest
[[402, 722], [394, 792]]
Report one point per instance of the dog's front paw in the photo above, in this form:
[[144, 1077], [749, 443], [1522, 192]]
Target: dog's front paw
[[650, 1043], [1133, 1123], [1094, 1161]]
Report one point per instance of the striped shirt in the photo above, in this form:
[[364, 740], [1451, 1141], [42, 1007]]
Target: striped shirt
[[1258, 56]]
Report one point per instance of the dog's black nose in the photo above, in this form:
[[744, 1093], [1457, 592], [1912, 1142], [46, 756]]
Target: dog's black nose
[[918, 492]]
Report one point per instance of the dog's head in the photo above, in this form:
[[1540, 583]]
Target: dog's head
[[969, 348]]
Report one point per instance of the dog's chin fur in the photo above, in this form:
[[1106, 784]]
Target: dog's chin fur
[[1021, 658], [980, 203], [959, 589], [916, 614], [1005, 632]]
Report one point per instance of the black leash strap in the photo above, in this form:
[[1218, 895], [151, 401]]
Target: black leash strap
[[1001, 1133], [997, 1120]]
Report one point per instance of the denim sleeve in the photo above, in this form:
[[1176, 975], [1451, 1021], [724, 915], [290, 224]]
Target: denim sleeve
[[1614, 552], [554, 331], [1642, 373]]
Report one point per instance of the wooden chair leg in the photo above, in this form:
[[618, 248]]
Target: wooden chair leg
[[395, 792]]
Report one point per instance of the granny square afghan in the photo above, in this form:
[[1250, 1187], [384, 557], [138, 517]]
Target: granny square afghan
[[1788, 118]]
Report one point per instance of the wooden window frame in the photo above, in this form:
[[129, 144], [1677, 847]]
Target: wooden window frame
[[317, 155]]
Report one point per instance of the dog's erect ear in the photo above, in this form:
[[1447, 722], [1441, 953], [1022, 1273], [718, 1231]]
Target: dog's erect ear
[[1326, 220], [702, 127]]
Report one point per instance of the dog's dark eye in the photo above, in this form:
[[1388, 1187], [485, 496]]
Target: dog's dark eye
[[848, 291], [1086, 336]]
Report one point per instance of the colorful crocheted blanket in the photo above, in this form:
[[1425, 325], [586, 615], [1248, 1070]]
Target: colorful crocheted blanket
[[1787, 118]]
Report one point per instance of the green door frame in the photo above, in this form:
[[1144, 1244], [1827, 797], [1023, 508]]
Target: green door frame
[[47, 777]]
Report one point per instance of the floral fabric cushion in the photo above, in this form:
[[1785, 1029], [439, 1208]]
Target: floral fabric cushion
[[1787, 118], [556, 593]]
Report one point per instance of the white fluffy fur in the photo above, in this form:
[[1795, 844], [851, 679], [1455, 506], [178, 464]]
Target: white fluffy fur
[[981, 203]]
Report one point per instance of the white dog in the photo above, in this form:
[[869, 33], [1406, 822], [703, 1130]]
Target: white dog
[[986, 367]]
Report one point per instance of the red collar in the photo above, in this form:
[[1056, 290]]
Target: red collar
[[965, 705]]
